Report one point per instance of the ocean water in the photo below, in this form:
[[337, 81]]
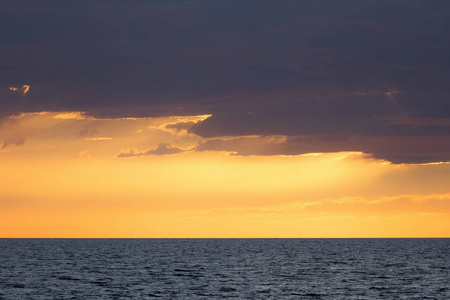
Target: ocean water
[[225, 268]]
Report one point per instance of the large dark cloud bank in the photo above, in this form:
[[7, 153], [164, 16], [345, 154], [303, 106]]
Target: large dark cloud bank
[[366, 76]]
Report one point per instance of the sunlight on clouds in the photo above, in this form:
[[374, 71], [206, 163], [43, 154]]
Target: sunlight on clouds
[[177, 124], [70, 115], [100, 138], [23, 115], [23, 89], [56, 178], [68, 133]]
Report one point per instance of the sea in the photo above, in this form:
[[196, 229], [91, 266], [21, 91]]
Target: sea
[[224, 268]]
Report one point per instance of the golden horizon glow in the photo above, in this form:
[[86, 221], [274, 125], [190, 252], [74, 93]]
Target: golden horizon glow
[[60, 177]]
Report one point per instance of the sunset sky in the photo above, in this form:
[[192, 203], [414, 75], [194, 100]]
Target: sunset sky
[[225, 118]]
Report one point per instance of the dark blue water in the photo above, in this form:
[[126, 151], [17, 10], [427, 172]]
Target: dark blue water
[[225, 268]]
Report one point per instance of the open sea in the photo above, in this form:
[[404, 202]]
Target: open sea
[[224, 268]]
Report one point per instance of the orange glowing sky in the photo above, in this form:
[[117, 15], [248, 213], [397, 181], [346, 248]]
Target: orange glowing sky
[[67, 174], [225, 119]]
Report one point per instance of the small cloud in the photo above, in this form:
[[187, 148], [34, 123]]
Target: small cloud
[[130, 153], [180, 126], [85, 154], [13, 142], [183, 123], [14, 134], [162, 149], [23, 90], [98, 138], [88, 132], [248, 145], [392, 92], [347, 154], [313, 154], [27, 114], [77, 115]]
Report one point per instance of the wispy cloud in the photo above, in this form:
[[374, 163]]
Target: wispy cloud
[[162, 149], [24, 89], [76, 115]]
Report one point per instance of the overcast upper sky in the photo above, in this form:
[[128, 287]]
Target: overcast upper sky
[[368, 76]]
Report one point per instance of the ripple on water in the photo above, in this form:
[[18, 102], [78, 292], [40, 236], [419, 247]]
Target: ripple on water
[[217, 269]]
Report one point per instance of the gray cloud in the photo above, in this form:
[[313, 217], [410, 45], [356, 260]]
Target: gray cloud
[[13, 133], [13, 142], [294, 68], [88, 132], [162, 149], [393, 149]]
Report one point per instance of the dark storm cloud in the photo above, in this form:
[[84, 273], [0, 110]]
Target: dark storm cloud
[[372, 114], [260, 67]]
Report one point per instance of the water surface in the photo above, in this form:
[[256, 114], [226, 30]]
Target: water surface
[[225, 268]]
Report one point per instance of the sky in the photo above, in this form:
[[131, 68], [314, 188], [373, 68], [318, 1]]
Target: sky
[[225, 118]]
